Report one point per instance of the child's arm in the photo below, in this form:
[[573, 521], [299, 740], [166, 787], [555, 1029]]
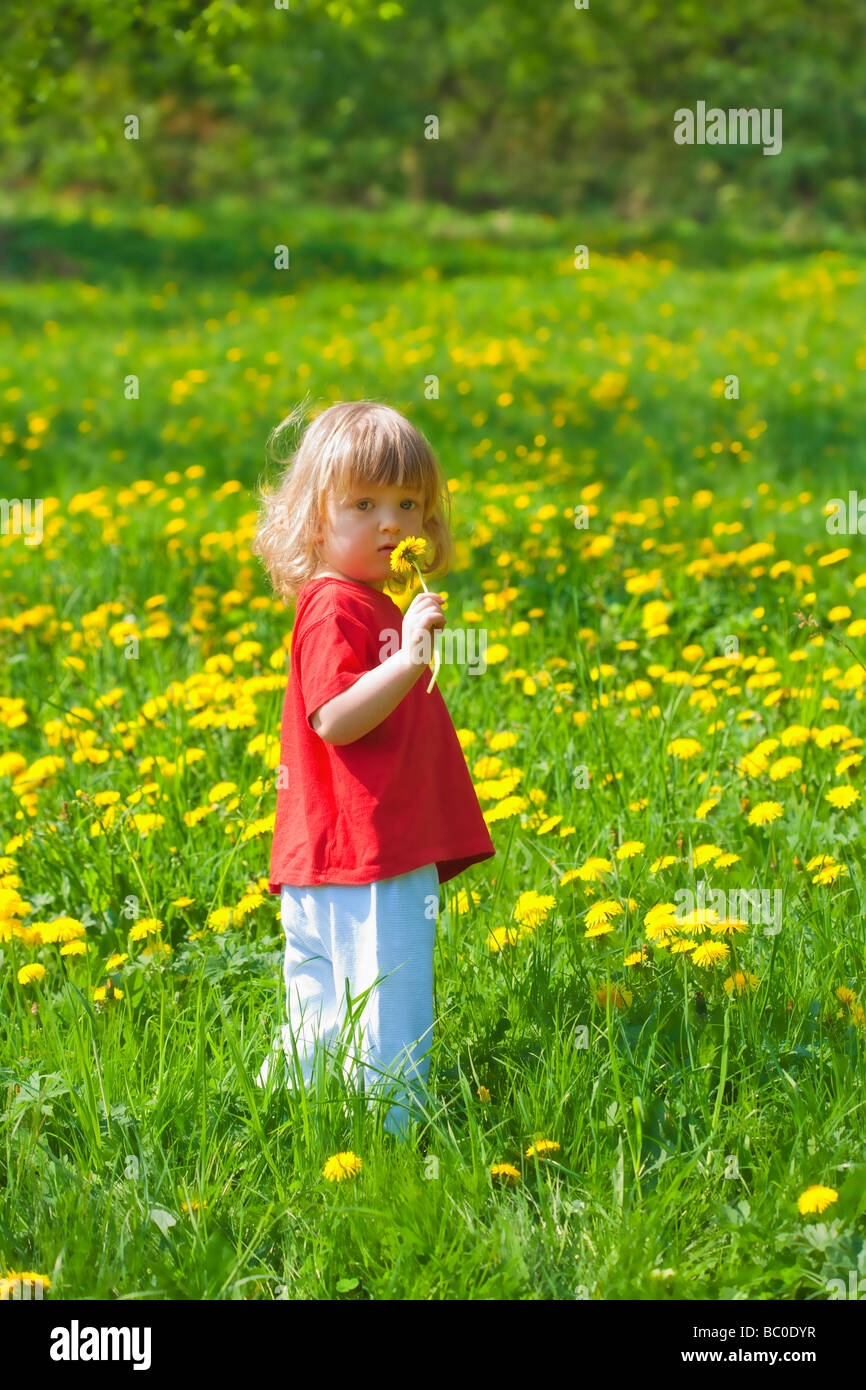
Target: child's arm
[[365, 704], [354, 712]]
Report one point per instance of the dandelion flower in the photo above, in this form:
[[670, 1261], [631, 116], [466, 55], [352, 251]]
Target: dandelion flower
[[602, 912], [402, 557], [532, 908], [592, 870], [682, 946], [29, 973], [783, 767], [703, 853], [684, 748], [842, 797], [73, 948], [629, 849], [145, 926], [764, 812], [819, 859], [341, 1166], [834, 733], [641, 957], [710, 953], [500, 937], [796, 734], [816, 1199], [542, 1148], [505, 1172], [829, 874], [600, 928], [611, 994], [107, 993], [740, 982], [727, 925]]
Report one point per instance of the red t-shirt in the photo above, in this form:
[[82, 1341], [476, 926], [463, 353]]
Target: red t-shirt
[[397, 798]]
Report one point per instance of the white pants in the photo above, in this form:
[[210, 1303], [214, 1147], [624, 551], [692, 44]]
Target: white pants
[[349, 936]]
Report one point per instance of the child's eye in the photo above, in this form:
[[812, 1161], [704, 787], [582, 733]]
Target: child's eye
[[405, 499]]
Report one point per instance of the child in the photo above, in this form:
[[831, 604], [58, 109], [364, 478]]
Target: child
[[375, 804]]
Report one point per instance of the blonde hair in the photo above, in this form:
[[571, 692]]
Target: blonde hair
[[350, 443]]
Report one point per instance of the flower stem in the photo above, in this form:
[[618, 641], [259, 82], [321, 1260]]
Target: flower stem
[[437, 658]]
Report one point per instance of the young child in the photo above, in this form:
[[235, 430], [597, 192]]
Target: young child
[[375, 804]]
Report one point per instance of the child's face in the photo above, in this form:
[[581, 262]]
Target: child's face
[[373, 516]]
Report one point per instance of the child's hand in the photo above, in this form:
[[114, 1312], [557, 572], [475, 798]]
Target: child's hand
[[423, 615]]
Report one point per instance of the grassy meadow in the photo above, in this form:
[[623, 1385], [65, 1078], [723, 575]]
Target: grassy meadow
[[631, 1101]]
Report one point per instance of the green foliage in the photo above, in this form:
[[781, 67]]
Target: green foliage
[[545, 107]]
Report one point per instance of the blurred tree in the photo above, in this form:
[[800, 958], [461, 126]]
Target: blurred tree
[[548, 107]]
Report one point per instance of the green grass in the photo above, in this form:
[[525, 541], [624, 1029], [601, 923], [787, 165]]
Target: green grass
[[692, 1118]]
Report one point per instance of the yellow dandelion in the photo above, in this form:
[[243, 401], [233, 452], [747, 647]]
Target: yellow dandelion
[[698, 919], [73, 948], [30, 973], [764, 812], [710, 953], [703, 853], [842, 797], [107, 993], [664, 862], [684, 748], [641, 957], [819, 859], [630, 848], [834, 557], [505, 1172], [740, 982], [402, 558], [682, 946], [13, 1281], [816, 1199], [532, 908], [600, 929], [834, 733], [705, 807], [829, 874], [783, 767], [602, 912], [484, 1095], [611, 994], [542, 1148], [796, 734], [725, 861], [144, 927], [501, 937], [592, 870], [726, 926], [341, 1166]]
